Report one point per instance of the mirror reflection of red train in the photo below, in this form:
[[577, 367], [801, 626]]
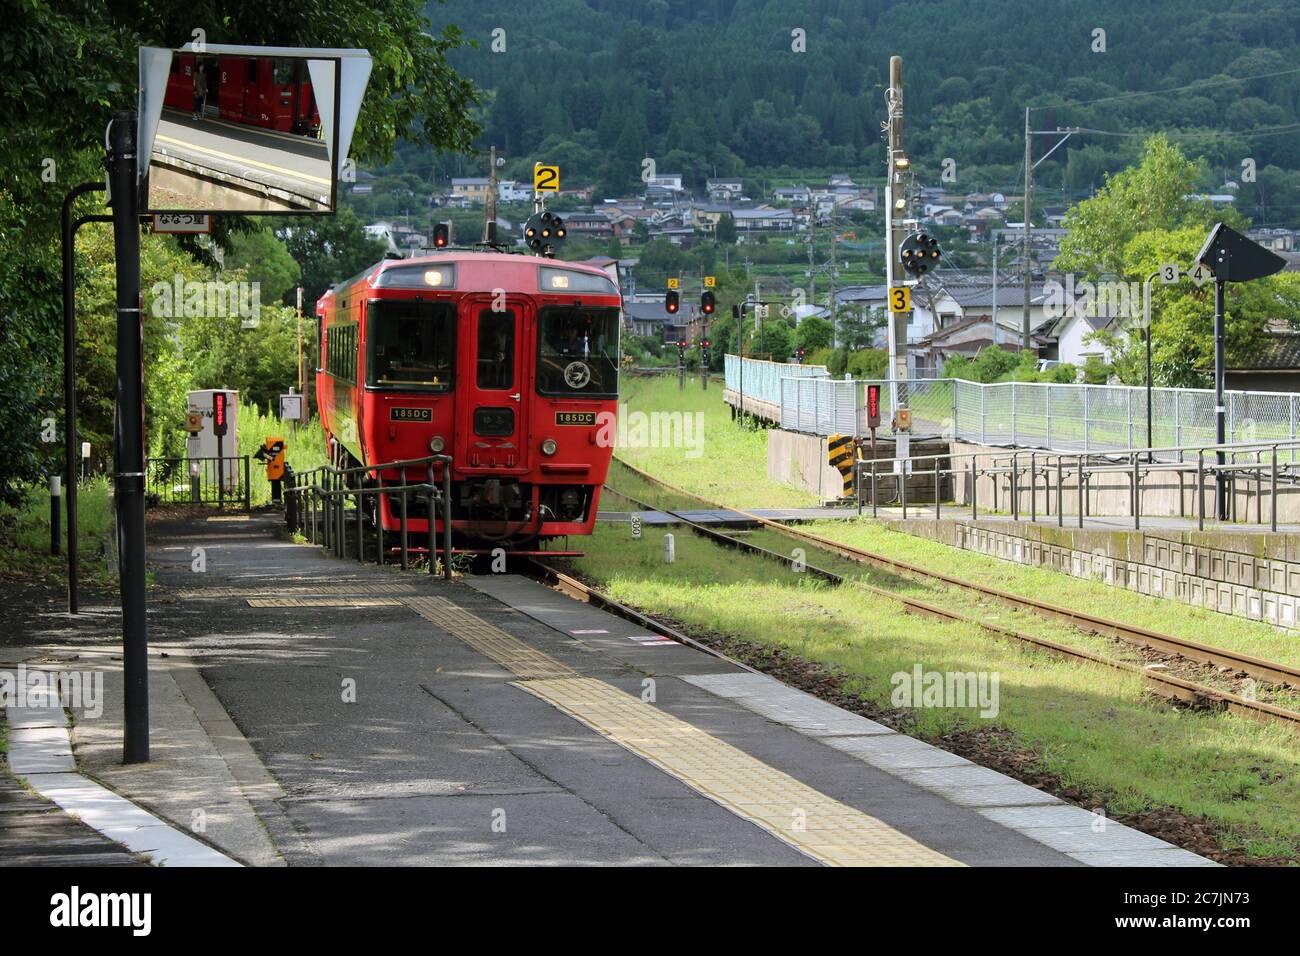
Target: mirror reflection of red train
[[507, 363], [268, 92]]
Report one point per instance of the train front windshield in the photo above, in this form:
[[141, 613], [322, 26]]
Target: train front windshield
[[577, 352], [411, 345]]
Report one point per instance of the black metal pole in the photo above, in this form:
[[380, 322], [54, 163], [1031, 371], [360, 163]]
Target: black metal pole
[[446, 520], [70, 379], [1150, 441], [1220, 411], [129, 453]]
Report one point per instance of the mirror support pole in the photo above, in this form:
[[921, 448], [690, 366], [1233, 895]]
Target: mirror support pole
[[128, 450], [70, 446]]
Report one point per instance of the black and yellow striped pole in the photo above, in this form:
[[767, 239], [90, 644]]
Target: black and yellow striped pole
[[840, 453]]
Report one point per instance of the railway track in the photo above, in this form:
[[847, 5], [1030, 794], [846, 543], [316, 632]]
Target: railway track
[[1166, 685], [1272, 672]]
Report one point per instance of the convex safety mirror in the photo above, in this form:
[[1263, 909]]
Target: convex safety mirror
[[254, 130]]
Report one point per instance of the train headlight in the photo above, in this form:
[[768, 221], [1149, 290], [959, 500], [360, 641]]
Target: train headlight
[[436, 444], [549, 447]]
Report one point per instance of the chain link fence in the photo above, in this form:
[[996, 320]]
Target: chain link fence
[[1087, 418]]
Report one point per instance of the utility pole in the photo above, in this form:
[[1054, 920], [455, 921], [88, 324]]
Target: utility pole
[[490, 207], [1027, 265], [995, 287], [895, 212]]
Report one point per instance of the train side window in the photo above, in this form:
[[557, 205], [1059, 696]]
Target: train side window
[[410, 344], [496, 350]]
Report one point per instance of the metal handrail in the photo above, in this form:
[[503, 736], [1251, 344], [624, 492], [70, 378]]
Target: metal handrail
[[1034, 464], [330, 495]]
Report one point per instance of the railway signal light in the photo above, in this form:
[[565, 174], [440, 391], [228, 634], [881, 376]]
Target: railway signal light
[[544, 232], [799, 354], [708, 305], [671, 304], [919, 253], [219, 413], [441, 235]]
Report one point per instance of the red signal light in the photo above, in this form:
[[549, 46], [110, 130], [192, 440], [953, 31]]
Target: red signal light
[[219, 413], [670, 302]]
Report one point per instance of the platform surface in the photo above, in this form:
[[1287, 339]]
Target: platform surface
[[492, 720]]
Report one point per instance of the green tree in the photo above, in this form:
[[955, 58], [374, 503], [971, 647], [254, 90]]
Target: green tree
[[329, 249], [813, 332], [263, 257], [725, 232], [69, 66], [1151, 195]]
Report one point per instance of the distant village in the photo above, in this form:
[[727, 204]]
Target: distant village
[[955, 312]]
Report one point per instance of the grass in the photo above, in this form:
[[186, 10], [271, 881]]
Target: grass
[[732, 465], [25, 535], [1093, 727], [1157, 614]]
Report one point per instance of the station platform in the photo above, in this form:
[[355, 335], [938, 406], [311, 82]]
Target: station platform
[[395, 718]]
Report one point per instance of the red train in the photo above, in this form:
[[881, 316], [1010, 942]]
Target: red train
[[507, 363], [269, 92]]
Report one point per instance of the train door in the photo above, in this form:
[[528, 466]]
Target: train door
[[252, 103], [492, 430]]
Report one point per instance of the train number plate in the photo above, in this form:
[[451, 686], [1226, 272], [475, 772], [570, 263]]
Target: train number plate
[[398, 414], [575, 418]]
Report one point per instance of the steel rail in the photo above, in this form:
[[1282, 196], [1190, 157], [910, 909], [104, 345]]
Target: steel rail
[[1166, 685], [1270, 671]]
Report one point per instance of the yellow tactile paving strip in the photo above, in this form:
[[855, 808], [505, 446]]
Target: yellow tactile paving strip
[[361, 587], [808, 820], [508, 651], [323, 602]]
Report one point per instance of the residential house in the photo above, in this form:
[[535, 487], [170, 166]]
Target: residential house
[[724, 189], [981, 222], [472, 189], [763, 217], [796, 195], [1071, 338], [589, 224], [510, 190], [958, 319], [705, 216], [1274, 365]]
